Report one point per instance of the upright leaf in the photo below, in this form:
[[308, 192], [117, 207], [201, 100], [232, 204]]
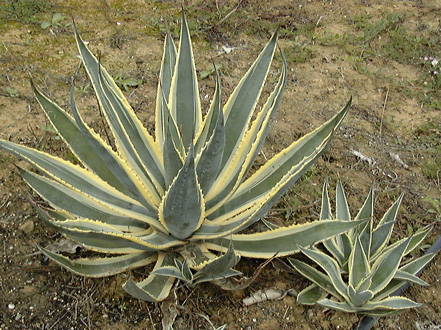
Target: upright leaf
[[164, 85], [184, 94], [134, 142], [331, 268], [209, 161], [358, 267], [239, 107], [386, 265]]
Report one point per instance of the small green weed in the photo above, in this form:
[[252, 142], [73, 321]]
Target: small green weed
[[301, 197], [11, 91], [435, 207], [209, 70], [22, 10], [83, 90], [389, 39], [126, 83], [55, 22], [370, 30], [429, 138], [299, 51]]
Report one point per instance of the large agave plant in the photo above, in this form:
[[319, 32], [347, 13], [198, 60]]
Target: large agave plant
[[179, 197], [362, 270]]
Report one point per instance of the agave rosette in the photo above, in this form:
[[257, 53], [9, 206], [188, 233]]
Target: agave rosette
[[362, 270], [178, 198]]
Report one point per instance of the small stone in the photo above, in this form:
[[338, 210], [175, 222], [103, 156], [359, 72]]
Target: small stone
[[11, 306], [27, 227], [18, 317]]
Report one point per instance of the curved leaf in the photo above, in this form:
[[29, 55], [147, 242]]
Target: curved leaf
[[357, 298], [331, 268], [326, 214], [171, 152], [283, 241], [99, 267], [384, 268], [413, 268], [358, 264], [383, 231], [321, 282], [220, 264], [154, 288], [74, 177], [211, 119], [81, 205], [246, 214], [310, 295]]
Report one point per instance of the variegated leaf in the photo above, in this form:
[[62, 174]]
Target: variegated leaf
[[318, 278], [81, 205], [172, 147], [380, 237], [165, 78], [220, 264], [358, 266], [216, 277], [234, 172], [210, 157], [154, 288], [405, 276], [246, 214], [365, 232], [182, 209], [413, 267], [240, 106], [104, 162], [170, 271], [311, 294], [277, 167], [331, 268], [326, 214], [386, 265], [134, 142], [342, 212], [184, 99], [358, 298], [211, 119], [99, 267], [283, 241], [391, 303]]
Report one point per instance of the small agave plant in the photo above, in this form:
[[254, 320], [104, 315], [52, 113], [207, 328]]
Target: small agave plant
[[179, 198], [363, 270]]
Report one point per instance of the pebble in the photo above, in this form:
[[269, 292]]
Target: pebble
[[27, 227], [11, 306]]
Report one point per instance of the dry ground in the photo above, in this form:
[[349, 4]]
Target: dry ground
[[380, 52]]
